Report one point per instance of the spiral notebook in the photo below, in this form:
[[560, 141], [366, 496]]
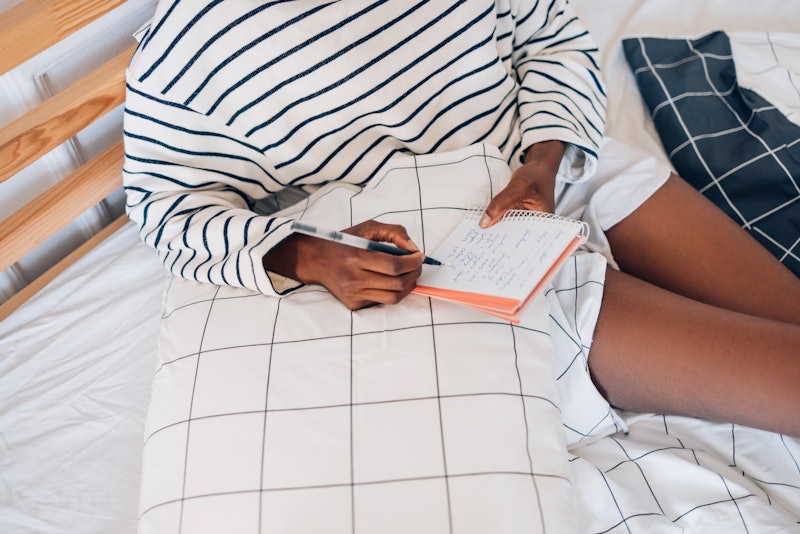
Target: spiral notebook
[[499, 269]]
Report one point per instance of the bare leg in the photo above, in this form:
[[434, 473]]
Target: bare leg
[[688, 353], [680, 241], [656, 351]]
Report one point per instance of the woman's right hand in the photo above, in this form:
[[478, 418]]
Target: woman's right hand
[[359, 278]]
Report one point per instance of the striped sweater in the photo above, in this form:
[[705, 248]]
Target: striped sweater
[[231, 101]]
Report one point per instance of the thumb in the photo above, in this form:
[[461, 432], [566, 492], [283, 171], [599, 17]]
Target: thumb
[[493, 212]]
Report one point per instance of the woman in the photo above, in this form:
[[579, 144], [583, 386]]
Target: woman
[[230, 102]]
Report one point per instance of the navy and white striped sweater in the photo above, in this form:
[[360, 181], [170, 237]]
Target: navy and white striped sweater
[[231, 101]]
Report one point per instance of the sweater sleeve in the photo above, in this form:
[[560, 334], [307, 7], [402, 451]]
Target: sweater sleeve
[[561, 94], [190, 184]]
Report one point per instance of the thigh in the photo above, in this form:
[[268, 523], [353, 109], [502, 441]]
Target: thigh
[[657, 351], [680, 241]]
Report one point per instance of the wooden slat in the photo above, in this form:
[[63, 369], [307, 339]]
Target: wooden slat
[[58, 206], [54, 121], [31, 289], [26, 30], [32, 26]]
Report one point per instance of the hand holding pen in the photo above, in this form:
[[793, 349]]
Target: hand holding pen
[[359, 277], [355, 241]]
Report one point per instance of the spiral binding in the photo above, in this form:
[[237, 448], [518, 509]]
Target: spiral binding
[[475, 213]]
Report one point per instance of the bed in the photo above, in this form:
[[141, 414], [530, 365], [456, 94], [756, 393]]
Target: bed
[[92, 370]]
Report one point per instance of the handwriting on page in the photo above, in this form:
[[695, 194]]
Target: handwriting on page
[[496, 260]]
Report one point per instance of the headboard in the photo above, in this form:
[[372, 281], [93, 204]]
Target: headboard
[[28, 29]]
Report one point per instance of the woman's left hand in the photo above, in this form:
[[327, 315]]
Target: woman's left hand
[[532, 186]]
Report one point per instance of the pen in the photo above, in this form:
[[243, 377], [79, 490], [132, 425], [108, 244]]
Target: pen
[[354, 241]]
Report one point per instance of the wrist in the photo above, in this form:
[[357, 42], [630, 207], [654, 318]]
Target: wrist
[[548, 153], [286, 258], [540, 170]]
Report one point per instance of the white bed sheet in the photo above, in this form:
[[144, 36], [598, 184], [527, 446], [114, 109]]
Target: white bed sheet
[[76, 362], [676, 474], [609, 22]]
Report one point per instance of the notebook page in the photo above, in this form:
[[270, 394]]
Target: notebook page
[[506, 260]]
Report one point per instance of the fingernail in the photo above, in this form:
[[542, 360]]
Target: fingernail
[[484, 222], [414, 246]]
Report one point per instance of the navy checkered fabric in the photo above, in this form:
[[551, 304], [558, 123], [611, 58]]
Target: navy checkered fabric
[[731, 144]]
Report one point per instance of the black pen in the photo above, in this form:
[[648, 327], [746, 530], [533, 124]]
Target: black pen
[[354, 241]]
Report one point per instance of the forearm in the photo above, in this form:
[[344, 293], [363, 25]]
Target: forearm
[[189, 182]]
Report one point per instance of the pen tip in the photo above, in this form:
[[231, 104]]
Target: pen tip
[[431, 261]]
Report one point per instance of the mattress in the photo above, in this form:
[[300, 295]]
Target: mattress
[[78, 363], [75, 373]]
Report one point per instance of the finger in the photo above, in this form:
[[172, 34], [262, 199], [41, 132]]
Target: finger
[[357, 292], [382, 295], [382, 232], [365, 269], [388, 266], [497, 208], [519, 194], [378, 296], [337, 259]]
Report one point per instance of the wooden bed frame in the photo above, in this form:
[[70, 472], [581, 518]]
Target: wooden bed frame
[[26, 30]]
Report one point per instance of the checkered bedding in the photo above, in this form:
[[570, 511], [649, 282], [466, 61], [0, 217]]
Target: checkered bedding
[[298, 415], [678, 474], [738, 148]]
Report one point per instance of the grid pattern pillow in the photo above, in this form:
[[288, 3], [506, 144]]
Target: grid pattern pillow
[[298, 415], [730, 143]]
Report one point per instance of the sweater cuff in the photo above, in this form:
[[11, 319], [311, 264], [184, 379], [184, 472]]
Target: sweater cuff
[[577, 165]]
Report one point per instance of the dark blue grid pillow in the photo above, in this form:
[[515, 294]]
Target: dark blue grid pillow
[[727, 141]]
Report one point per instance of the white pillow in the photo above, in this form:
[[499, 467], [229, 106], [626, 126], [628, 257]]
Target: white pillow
[[302, 416]]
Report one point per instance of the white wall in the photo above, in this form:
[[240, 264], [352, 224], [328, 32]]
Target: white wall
[[32, 83]]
